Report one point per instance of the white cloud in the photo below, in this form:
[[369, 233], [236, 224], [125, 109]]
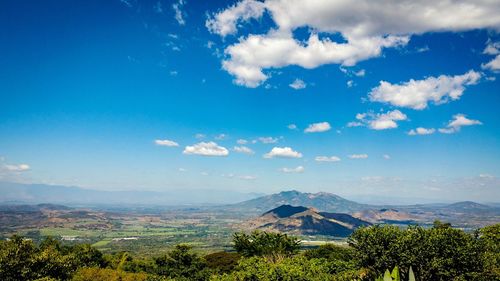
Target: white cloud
[[199, 136], [318, 127], [292, 127], [206, 149], [204, 173], [298, 84], [220, 137], [268, 140], [360, 73], [350, 83], [421, 131], [296, 170], [283, 152], [247, 177], [158, 8], [358, 156], [486, 176], [179, 14], [492, 48], [166, 143], [327, 159], [182, 170], [447, 130], [416, 94], [458, 121], [379, 121], [367, 28], [242, 141], [250, 56], [354, 124], [493, 65], [17, 168], [386, 156], [224, 22], [243, 149]]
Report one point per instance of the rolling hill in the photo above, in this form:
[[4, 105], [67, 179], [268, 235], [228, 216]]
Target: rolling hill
[[298, 220]]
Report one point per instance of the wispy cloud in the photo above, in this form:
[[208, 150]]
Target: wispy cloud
[[296, 170], [298, 84], [327, 159], [458, 121], [166, 143], [179, 13], [358, 156], [318, 127], [243, 149]]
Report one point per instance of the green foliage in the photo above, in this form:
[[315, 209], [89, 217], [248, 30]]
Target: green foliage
[[105, 274], [222, 262], [438, 253], [331, 252], [297, 268], [274, 246], [182, 263], [16, 259], [489, 239]]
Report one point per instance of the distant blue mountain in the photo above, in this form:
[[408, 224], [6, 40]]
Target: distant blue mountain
[[69, 195]]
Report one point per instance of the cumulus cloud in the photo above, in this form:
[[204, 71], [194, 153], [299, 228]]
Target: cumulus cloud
[[243, 149], [166, 143], [206, 149], [458, 121], [378, 121], [327, 159], [298, 84], [367, 28], [179, 14], [358, 156], [292, 127], [224, 22], [295, 170], [416, 94], [318, 127], [421, 131], [283, 152]]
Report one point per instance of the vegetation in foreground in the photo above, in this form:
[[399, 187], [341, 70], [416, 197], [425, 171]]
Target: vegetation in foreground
[[437, 253]]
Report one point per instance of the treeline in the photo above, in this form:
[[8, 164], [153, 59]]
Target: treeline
[[437, 253]]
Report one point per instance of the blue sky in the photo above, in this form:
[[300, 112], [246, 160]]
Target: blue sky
[[122, 95]]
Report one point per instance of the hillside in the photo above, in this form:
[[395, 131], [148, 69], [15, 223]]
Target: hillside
[[323, 201], [300, 220]]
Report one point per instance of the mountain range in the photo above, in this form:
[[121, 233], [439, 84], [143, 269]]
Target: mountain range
[[18, 193], [326, 202]]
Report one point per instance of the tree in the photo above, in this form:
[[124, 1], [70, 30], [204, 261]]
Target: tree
[[182, 263], [438, 253], [16, 259], [274, 246]]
